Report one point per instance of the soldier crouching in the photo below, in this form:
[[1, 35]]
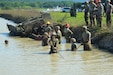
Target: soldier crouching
[[53, 44]]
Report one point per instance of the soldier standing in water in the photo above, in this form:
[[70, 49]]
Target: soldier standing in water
[[86, 39]]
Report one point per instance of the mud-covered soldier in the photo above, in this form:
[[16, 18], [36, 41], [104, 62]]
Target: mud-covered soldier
[[86, 39], [68, 33], [73, 44], [48, 28], [45, 39], [109, 8], [92, 7], [53, 44], [86, 8], [99, 13], [58, 34]]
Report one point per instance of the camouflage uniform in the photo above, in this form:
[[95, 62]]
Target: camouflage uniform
[[86, 39], [68, 34], [92, 7], [58, 34], [108, 14], [45, 39], [53, 45], [99, 14], [86, 7]]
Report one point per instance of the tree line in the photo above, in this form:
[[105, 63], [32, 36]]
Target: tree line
[[51, 4]]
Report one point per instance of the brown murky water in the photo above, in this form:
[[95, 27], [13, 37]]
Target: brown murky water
[[25, 56]]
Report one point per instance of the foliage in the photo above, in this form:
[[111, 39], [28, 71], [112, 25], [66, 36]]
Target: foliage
[[42, 4]]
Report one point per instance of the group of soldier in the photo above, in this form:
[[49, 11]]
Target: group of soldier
[[95, 10], [53, 36]]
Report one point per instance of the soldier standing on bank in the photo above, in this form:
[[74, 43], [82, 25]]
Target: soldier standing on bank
[[99, 13], [109, 8], [92, 7], [86, 39], [86, 7], [53, 44], [58, 34], [67, 33]]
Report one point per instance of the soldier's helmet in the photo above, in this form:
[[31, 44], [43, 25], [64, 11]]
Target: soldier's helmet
[[48, 23], [84, 27], [67, 25], [6, 41], [108, 0], [73, 40], [58, 27]]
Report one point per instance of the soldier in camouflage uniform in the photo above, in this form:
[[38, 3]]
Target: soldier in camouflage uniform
[[53, 44], [86, 39], [45, 39], [67, 33], [58, 34], [86, 7], [109, 8], [48, 28], [99, 13], [92, 7]]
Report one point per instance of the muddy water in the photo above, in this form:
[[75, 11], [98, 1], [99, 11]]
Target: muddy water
[[25, 56]]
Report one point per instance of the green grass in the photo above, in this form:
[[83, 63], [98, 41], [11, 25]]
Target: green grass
[[64, 18], [60, 17]]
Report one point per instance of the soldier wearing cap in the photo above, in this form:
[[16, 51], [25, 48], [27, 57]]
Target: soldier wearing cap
[[45, 39], [99, 13], [53, 44], [109, 8], [58, 34], [73, 44], [86, 39], [48, 27], [67, 33], [92, 9], [86, 7]]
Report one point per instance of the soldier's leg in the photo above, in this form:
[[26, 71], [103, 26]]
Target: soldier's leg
[[110, 20], [106, 20], [100, 21], [91, 20], [86, 18], [97, 20]]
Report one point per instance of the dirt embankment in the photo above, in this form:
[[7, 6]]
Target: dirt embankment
[[103, 38], [16, 19]]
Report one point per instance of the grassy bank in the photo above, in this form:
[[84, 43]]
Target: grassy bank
[[59, 17]]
